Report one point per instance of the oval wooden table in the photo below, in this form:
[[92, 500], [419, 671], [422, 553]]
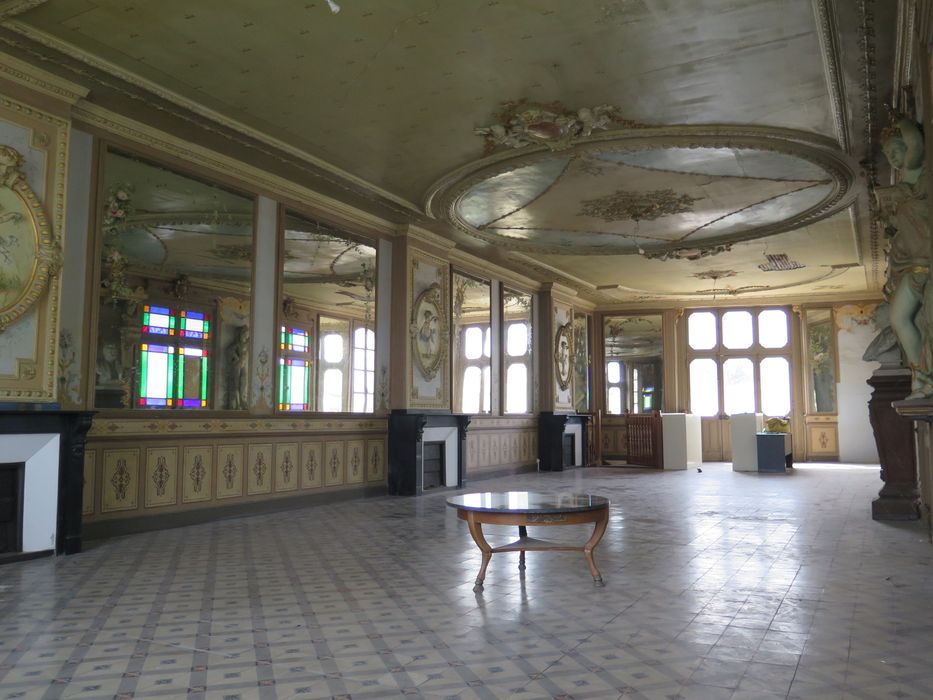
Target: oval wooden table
[[524, 508]]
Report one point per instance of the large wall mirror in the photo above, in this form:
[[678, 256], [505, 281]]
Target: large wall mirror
[[327, 340], [176, 266], [472, 345], [821, 360], [634, 366]]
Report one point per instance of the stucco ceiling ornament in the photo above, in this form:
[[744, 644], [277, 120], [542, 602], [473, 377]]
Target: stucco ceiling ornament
[[688, 253], [714, 274], [523, 123], [637, 206]]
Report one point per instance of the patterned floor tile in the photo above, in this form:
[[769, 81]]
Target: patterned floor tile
[[719, 585]]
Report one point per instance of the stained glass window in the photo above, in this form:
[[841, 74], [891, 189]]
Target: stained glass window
[[157, 375], [294, 339], [194, 325], [294, 371], [174, 375], [158, 320], [294, 380], [192, 378]]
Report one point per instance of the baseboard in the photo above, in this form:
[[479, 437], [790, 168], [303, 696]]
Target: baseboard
[[105, 529]]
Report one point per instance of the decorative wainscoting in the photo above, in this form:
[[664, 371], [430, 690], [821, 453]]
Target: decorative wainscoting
[[822, 437], [501, 445], [139, 468], [614, 437]]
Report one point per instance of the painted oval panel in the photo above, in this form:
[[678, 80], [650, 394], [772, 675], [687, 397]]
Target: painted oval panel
[[19, 247]]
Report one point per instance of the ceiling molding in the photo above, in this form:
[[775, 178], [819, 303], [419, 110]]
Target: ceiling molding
[[252, 178], [187, 108], [11, 8], [828, 34], [482, 267], [903, 51], [828, 272], [41, 81], [444, 196]]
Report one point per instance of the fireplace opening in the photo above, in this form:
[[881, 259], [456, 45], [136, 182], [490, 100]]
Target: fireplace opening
[[432, 465], [568, 446], [11, 507]]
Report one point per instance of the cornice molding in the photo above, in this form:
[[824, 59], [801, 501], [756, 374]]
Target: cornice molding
[[422, 235], [825, 13], [484, 268], [252, 177], [584, 290], [41, 81], [11, 8], [903, 50], [187, 107]]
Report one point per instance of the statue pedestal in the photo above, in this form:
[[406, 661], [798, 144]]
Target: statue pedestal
[[894, 436]]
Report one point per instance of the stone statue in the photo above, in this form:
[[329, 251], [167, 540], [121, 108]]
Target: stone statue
[[109, 366], [884, 347], [238, 370], [905, 212]]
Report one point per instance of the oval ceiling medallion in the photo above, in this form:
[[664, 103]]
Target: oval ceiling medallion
[[670, 192]]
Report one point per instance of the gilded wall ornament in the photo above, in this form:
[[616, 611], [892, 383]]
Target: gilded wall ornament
[[563, 351], [623, 205], [429, 331], [524, 123], [29, 253]]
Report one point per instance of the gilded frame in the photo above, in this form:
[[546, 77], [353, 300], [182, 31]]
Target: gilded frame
[[26, 216], [563, 355], [429, 331]]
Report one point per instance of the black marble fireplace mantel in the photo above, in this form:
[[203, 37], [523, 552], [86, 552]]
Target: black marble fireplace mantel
[[406, 430], [71, 427], [551, 429]]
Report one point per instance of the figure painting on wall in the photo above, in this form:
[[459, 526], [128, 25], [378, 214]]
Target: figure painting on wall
[[905, 212], [429, 331]]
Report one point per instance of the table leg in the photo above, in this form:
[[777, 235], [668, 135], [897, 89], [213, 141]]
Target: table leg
[[522, 533], [590, 545], [476, 530]]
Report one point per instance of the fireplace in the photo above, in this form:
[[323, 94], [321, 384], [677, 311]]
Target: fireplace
[[11, 507], [432, 465], [562, 442], [426, 450], [47, 449]]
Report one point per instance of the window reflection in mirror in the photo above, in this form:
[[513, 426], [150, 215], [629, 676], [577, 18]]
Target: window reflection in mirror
[[581, 362], [821, 360], [472, 345], [516, 319], [176, 266], [634, 369], [327, 332]]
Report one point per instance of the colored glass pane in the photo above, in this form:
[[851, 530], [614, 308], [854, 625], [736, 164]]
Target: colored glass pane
[[294, 376], [158, 320], [192, 378], [194, 325]]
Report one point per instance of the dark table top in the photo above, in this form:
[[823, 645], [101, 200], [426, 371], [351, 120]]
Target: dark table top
[[528, 502]]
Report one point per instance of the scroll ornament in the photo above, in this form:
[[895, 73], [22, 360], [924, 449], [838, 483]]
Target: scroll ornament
[[30, 254]]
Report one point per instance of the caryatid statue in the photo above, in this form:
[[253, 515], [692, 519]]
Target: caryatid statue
[[905, 211]]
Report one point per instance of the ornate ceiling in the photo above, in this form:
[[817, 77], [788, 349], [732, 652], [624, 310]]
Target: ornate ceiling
[[384, 99]]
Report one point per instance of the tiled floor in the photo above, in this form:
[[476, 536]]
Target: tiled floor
[[719, 585]]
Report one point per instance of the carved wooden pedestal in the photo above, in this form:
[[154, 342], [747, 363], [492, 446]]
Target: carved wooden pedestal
[[894, 436]]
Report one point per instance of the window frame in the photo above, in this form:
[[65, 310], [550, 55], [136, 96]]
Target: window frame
[[719, 353]]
